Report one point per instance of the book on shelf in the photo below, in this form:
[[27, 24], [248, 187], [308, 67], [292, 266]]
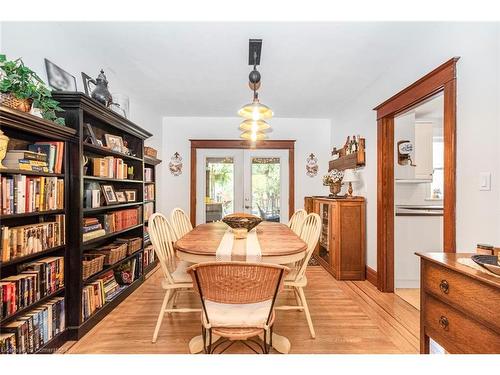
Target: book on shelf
[[30, 155], [26, 165], [148, 174], [36, 280], [94, 234], [56, 158], [148, 210], [92, 198], [119, 220], [149, 192], [149, 255], [99, 292], [31, 331], [129, 271], [29, 239], [23, 194], [109, 167]]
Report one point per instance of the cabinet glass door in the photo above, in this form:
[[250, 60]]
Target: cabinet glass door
[[324, 238]]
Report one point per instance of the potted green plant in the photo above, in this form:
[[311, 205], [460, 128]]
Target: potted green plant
[[21, 88]]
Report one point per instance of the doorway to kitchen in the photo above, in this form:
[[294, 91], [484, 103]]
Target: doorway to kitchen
[[440, 80], [238, 176]]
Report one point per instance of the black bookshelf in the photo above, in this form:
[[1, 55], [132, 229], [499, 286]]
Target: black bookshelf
[[150, 162], [22, 129], [79, 110]]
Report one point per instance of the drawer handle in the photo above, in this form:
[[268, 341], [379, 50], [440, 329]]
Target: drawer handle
[[444, 286], [443, 322]]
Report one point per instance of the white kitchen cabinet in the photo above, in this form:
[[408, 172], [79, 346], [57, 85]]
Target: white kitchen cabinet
[[419, 133]]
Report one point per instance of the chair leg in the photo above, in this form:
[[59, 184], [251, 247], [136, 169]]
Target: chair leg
[[174, 299], [171, 302], [306, 310], [297, 297], [160, 315]]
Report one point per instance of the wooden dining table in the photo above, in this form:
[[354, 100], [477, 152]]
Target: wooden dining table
[[278, 245]]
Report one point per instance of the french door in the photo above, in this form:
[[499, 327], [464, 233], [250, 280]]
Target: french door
[[240, 180]]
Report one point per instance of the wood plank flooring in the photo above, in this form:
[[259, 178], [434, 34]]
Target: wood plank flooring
[[349, 317]]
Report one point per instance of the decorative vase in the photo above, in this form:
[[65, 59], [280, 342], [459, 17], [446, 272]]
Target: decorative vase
[[9, 100], [4, 141], [335, 188]]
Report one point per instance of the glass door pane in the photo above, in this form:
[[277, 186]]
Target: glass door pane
[[219, 188], [266, 188]]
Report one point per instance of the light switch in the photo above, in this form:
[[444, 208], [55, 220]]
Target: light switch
[[485, 181]]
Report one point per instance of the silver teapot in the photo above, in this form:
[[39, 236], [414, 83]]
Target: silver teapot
[[101, 92]]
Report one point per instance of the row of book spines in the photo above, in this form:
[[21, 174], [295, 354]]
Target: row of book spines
[[149, 256], [118, 220], [35, 329], [149, 192], [97, 293], [49, 153], [148, 174], [22, 194], [37, 280], [110, 167], [29, 239]]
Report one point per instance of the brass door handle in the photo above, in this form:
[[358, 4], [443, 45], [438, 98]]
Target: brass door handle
[[444, 286], [443, 322]]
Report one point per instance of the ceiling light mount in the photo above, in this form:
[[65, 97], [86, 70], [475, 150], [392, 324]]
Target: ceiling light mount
[[255, 113]]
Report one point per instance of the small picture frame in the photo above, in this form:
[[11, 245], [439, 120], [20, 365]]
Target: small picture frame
[[109, 194], [131, 195], [90, 134], [114, 142], [58, 78], [121, 197]]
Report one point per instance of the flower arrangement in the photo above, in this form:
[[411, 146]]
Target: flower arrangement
[[332, 177], [22, 86]]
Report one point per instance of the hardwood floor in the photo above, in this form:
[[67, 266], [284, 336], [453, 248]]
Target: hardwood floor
[[349, 317], [410, 295]]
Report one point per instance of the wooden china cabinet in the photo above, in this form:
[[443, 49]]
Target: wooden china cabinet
[[341, 247]]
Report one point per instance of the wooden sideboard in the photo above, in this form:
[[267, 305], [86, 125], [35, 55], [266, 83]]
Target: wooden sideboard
[[341, 248], [460, 306]]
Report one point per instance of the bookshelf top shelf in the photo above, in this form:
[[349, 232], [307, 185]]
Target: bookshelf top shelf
[[148, 160], [78, 100], [30, 173], [27, 123], [107, 152], [111, 179]]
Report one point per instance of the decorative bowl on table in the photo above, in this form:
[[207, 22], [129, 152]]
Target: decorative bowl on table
[[242, 220], [490, 262]]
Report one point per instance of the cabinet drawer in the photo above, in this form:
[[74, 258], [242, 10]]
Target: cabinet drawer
[[475, 298], [455, 331]]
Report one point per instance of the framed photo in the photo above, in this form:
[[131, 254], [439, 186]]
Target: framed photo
[[86, 80], [58, 78], [121, 197], [131, 195], [109, 194], [114, 142]]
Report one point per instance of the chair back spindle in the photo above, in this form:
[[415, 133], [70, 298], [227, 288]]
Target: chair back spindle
[[162, 238], [180, 222], [310, 235], [297, 220]]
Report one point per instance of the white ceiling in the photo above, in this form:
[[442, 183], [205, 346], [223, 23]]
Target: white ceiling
[[200, 69]]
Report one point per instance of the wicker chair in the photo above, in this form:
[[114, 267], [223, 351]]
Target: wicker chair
[[180, 222], [238, 302], [296, 280], [297, 220], [175, 277]]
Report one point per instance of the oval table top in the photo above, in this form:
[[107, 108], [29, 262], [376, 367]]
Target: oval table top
[[278, 243]]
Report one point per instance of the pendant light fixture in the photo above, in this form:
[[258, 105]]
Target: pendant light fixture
[[254, 127]]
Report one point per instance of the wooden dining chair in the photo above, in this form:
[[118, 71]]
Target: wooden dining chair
[[175, 278], [180, 222], [296, 280], [297, 220], [238, 302]]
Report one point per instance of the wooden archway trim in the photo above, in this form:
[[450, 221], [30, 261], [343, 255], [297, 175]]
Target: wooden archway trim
[[443, 78], [241, 144]]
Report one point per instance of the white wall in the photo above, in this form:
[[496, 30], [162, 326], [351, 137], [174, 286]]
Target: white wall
[[35, 41], [312, 136], [478, 135]]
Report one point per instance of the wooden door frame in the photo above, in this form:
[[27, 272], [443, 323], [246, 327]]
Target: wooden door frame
[[441, 79], [241, 144]]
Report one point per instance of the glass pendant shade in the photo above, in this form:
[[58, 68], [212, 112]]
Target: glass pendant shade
[[255, 111], [253, 136], [254, 126]]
